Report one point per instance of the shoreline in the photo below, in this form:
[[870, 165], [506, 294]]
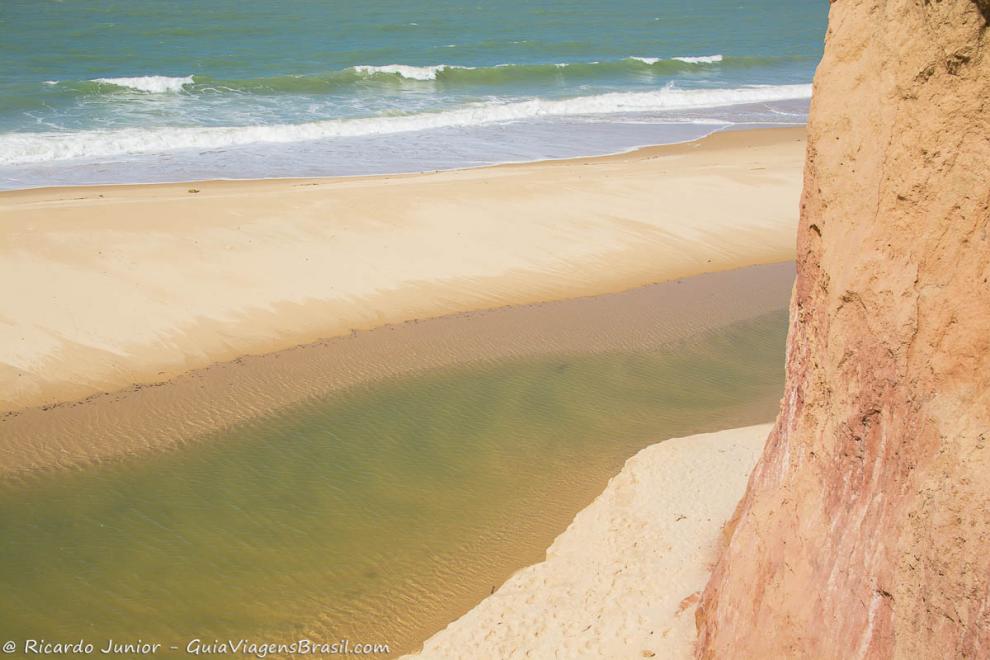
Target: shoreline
[[743, 127], [757, 127], [270, 264], [624, 578]]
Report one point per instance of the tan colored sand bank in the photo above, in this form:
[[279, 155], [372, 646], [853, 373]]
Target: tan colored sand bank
[[188, 407], [101, 287], [621, 581]]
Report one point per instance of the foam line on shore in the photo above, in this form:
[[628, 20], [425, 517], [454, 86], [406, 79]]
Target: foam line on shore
[[42, 147]]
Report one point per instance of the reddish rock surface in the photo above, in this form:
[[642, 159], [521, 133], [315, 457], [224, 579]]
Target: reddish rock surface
[[865, 529]]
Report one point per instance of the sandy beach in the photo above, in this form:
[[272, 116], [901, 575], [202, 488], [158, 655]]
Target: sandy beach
[[623, 580], [105, 287]]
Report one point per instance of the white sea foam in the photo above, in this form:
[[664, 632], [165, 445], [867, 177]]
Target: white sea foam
[[20, 148], [702, 59], [430, 72], [408, 71], [150, 84]]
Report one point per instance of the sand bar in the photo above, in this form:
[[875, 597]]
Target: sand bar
[[622, 581], [103, 287], [185, 408]]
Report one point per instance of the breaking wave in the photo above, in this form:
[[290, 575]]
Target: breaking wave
[[150, 84], [20, 148], [400, 74]]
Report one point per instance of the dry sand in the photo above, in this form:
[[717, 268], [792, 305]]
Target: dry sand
[[102, 287], [623, 580]]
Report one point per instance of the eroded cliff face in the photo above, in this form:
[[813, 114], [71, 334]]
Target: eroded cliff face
[[865, 529]]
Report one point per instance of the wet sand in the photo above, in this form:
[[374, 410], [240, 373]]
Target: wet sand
[[164, 415], [104, 287]]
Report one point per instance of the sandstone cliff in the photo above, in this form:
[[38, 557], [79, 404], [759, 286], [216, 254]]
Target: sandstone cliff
[[865, 529]]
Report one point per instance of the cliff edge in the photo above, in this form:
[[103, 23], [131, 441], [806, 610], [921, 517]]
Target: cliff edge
[[865, 528]]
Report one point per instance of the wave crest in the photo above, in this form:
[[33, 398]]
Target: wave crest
[[702, 59], [150, 84], [436, 71], [406, 71], [400, 74]]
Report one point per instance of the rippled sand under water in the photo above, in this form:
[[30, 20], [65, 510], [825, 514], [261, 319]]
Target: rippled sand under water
[[376, 512]]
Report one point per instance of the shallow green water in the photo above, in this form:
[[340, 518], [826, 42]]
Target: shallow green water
[[366, 514]]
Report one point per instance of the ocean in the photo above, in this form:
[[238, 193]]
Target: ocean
[[114, 91]]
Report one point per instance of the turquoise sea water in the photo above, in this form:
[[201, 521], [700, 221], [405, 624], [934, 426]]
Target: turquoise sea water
[[144, 90]]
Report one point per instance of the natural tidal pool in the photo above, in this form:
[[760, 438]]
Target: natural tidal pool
[[375, 514]]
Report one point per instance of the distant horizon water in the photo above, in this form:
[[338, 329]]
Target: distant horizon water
[[140, 91]]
